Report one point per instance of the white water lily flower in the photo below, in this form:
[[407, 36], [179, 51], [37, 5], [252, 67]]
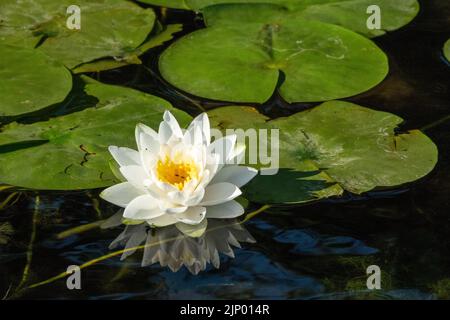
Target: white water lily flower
[[179, 176]]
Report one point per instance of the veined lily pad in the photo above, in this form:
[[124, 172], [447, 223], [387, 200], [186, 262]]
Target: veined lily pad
[[71, 151], [132, 57], [334, 147], [109, 28], [243, 63], [30, 80], [349, 14], [447, 50]]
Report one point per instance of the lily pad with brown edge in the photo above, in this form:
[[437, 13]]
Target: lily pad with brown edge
[[108, 28], [335, 147], [70, 152], [243, 63]]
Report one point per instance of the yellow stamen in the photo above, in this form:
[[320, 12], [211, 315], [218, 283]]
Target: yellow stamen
[[176, 174]]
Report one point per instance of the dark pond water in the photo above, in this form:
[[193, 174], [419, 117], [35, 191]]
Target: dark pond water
[[317, 251]]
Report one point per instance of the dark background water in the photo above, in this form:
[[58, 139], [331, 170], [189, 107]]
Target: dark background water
[[316, 251]]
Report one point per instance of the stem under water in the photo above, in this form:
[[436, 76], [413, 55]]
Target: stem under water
[[436, 123], [26, 270], [120, 252]]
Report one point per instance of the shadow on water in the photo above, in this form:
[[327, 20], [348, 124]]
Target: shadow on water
[[318, 251]]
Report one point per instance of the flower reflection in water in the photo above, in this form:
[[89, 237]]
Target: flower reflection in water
[[193, 247]]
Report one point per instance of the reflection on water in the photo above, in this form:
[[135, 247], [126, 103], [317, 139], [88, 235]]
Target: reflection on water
[[175, 247]]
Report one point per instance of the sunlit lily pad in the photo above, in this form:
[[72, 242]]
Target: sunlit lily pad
[[447, 50], [131, 57], [71, 151], [242, 63], [30, 80], [349, 14], [109, 28], [334, 147]]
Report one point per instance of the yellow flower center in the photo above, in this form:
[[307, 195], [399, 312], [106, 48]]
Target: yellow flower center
[[176, 174]]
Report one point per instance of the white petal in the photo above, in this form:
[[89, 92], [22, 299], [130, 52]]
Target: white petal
[[173, 123], [196, 197], [149, 143], [175, 210], [177, 197], [162, 221], [193, 215], [224, 147], [148, 160], [237, 175], [125, 156], [227, 210], [136, 175], [202, 121], [238, 154], [142, 208], [219, 193], [144, 131], [165, 132], [120, 194]]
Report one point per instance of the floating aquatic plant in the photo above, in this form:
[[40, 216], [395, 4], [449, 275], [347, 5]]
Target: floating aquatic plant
[[244, 63], [30, 80], [109, 28], [335, 147], [179, 177], [71, 151]]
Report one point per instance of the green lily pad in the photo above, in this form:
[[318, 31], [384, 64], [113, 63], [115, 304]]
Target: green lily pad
[[242, 63], [71, 152], [109, 28], [447, 50], [349, 14], [334, 147], [133, 57], [30, 80]]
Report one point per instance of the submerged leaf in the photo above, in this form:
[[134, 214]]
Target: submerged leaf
[[71, 151], [334, 147], [6, 231], [30, 80], [243, 63], [447, 50]]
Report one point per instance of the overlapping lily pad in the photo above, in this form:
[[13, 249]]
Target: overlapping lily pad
[[351, 14], [242, 63], [334, 147], [70, 152], [109, 28], [30, 80]]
